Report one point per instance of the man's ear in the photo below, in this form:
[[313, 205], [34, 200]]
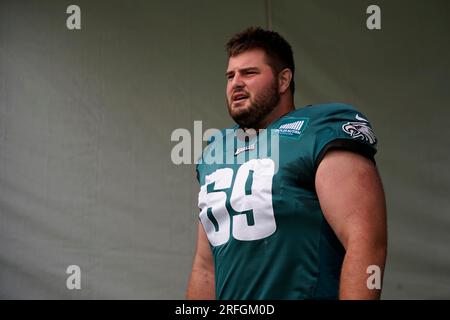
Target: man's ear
[[284, 80]]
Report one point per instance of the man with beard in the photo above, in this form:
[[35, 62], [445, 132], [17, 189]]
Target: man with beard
[[314, 227]]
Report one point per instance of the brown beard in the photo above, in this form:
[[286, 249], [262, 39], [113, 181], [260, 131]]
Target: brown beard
[[260, 107]]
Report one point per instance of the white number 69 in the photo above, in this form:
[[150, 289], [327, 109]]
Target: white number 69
[[259, 201]]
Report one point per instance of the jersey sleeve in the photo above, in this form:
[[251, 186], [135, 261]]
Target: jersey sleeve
[[341, 126]]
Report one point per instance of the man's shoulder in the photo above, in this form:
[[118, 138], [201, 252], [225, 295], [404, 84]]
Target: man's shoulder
[[324, 110]]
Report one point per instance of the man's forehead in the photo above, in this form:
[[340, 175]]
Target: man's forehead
[[247, 59]]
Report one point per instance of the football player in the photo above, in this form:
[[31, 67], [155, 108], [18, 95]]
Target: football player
[[307, 224]]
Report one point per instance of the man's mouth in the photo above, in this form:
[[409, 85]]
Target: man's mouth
[[238, 97]]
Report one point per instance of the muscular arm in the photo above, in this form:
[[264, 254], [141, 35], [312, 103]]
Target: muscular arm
[[201, 282], [352, 199]]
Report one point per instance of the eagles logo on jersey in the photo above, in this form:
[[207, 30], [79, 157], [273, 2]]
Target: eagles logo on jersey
[[267, 232], [360, 130]]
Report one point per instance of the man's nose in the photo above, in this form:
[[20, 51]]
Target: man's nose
[[237, 82]]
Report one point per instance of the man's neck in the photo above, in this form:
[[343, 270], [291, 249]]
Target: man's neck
[[284, 106]]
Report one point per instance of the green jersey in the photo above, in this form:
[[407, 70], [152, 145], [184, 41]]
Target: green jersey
[[262, 216]]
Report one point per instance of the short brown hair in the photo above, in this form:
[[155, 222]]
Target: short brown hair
[[277, 49]]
